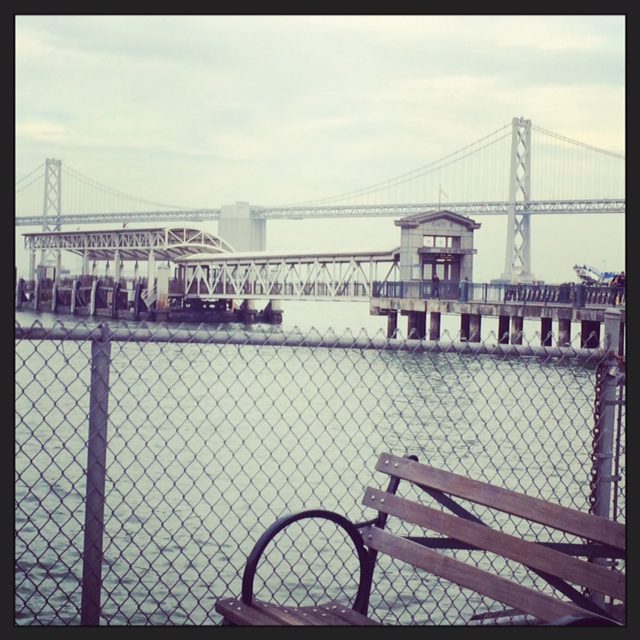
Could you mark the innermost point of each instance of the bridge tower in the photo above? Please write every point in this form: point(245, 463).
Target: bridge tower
point(52, 207)
point(240, 230)
point(517, 264)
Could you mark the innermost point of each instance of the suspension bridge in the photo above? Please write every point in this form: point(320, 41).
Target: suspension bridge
point(491, 176)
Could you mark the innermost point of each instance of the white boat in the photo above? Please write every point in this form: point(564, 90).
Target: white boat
point(591, 275)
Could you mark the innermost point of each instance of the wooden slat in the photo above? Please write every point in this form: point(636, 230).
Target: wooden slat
point(534, 509)
point(533, 555)
point(237, 612)
point(325, 616)
point(542, 606)
point(348, 615)
point(284, 615)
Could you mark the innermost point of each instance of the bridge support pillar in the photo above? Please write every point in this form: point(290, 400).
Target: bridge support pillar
point(417, 325)
point(162, 301)
point(137, 299)
point(564, 332)
point(475, 322)
point(545, 332)
point(54, 296)
point(248, 311)
point(273, 312)
point(92, 299)
point(36, 291)
point(434, 325)
point(32, 265)
point(503, 329)
point(117, 267)
point(516, 329)
point(19, 294)
point(240, 230)
point(115, 294)
point(74, 293)
point(151, 270)
point(589, 334)
point(465, 323)
point(392, 323)
point(58, 275)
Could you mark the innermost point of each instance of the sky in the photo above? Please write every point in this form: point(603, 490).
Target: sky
point(203, 111)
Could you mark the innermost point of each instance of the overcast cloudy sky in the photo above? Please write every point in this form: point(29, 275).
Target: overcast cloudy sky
point(208, 110)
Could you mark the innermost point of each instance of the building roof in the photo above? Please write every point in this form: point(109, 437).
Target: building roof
point(430, 216)
point(167, 243)
point(383, 255)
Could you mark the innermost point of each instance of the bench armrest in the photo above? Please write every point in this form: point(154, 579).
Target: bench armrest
point(256, 553)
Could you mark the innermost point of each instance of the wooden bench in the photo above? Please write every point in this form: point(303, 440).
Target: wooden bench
point(568, 567)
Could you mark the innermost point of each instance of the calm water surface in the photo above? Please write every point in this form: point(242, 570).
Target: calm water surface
point(208, 444)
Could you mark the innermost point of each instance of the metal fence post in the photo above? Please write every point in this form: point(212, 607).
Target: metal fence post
point(605, 426)
point(96, 471)
point(604, 443)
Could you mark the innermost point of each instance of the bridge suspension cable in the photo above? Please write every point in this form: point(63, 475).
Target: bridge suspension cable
point(74, 173)
point(39, 169)
point(415, 174)
point(577, 143)
point(563, 171)
point(568, 169)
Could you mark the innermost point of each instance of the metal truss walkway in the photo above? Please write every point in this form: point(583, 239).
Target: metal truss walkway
point(284, 276)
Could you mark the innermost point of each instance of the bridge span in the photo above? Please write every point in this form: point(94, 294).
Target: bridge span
point(257, 212)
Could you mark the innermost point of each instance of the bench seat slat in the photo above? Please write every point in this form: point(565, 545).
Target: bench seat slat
point(542, 606)
point(534, 509)
point(348, 615)
point(266, 614)
point(284, 615)
point(234, 610)
point(533, 555)
point(325, 616)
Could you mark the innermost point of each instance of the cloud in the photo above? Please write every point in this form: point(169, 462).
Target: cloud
point(206, 110)
point(42, 131)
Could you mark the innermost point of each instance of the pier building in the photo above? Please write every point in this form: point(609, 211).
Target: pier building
point(193, 275)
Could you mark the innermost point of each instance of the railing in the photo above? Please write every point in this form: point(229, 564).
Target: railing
point(149, 459)
point(575, 295)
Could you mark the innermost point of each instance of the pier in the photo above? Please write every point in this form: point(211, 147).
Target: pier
point(190, 275)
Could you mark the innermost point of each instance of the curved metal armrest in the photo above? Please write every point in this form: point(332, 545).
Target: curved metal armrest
point(584, 620)
point(256, 553)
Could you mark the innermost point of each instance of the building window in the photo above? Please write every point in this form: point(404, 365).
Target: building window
point(437, 241)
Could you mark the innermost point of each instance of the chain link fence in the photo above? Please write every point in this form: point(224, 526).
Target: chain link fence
point(207, 435)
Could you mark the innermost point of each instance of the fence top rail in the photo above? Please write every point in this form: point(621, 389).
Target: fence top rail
point(203, 334)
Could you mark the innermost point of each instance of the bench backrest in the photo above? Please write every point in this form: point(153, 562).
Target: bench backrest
point(542, 559)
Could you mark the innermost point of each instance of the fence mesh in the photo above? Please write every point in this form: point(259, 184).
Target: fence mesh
point(211, 439)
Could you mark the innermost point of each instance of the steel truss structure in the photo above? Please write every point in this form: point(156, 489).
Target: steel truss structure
point(330, 276)
point(535, 207)
point(518, 251)
point(52, 207)
point(130, 244)
point(464, 208)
